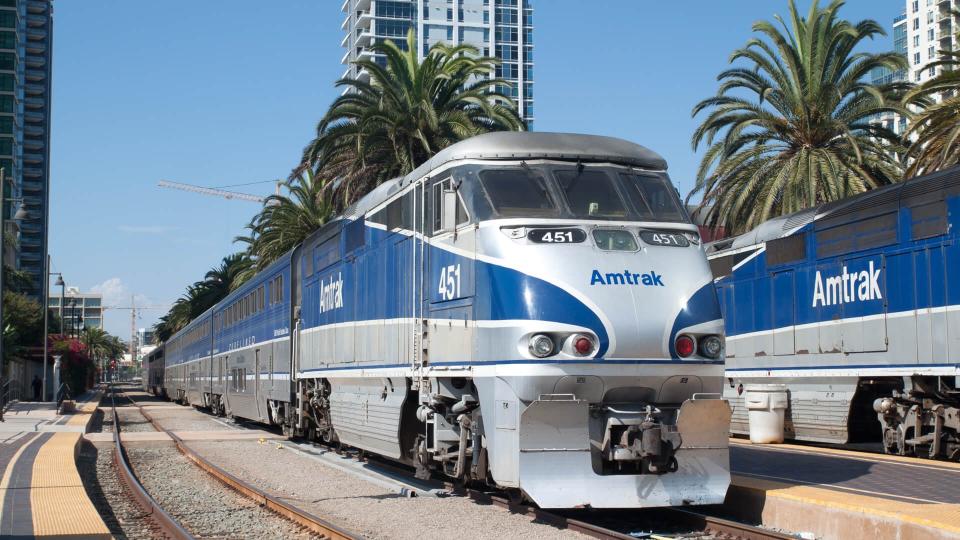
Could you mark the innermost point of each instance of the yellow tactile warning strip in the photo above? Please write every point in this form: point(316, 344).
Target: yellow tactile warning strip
point(57, 498)
point(939, 516)
point(853, 454)
point(84, 412)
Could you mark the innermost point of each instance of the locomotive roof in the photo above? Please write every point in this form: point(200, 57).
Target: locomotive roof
point(514, 145)
point(927, 188)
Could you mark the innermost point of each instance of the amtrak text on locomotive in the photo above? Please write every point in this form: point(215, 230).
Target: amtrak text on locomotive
point(847, 287)
point(650, 279)
point(331, 294)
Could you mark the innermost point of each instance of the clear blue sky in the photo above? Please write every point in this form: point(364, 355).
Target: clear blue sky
point(225, 92)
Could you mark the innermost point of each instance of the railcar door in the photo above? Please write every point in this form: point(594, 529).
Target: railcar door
point(784, 331)
point(863, 301)
point(450, 263)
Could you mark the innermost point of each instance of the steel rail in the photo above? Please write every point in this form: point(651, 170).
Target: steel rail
point(299, 516)
point(168, 525)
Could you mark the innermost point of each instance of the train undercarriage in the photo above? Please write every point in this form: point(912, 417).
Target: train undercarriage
point(924, 420)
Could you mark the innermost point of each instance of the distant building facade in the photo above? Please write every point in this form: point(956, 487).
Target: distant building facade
point(80, 310)
point(26, 29)
point(499, 28)
point(880, 76)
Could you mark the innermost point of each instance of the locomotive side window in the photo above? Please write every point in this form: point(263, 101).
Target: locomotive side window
point(438, 189)
point(591, 194)
point(517, 192)
point(653, 197)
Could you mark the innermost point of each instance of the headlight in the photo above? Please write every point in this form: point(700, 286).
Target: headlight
point(711, 346)
point(582, 345)
point(541, 346)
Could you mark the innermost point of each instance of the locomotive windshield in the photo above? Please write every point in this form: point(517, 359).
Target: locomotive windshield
point(591, 194)
point(518, 192)
point(568, 191)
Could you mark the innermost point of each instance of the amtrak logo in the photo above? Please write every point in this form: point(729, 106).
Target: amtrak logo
point(650, 279)
point(331, 294)
point(847, 287)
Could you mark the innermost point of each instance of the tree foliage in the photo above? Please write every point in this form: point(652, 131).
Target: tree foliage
point(792, 127)
point(408, 111)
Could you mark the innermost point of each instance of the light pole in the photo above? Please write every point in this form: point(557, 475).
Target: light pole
point(46, 317)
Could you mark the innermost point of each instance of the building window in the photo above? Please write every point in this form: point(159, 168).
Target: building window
point(449, 14)
point(916, 58)
point(450, 34)
point(6, 82)
point(916, 76)
point(6, 124)
point(6, 105)
point(916, 6)
point(8, 19)
point(930, 34)
point(930, 53)
point(8, 61)
point(916, 40)
point(6, 146)
point(929, 17)
point(932, 72)
point(395, 10)
point(8, 40)
point(916, 24)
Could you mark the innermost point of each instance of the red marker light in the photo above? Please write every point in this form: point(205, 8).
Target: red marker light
point(583, 345)
point(684, 346)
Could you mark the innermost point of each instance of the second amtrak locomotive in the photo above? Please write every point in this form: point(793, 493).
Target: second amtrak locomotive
point(531, 310)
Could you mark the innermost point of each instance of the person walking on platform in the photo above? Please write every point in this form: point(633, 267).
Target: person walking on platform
point(37, 384)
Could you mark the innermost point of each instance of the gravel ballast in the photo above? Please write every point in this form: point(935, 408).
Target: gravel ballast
point(122, 515)
point(364, 507)
point(200, 503)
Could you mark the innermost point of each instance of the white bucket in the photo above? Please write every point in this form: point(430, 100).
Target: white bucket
point(766, 404)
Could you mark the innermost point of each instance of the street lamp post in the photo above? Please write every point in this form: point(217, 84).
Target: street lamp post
point(46, 316)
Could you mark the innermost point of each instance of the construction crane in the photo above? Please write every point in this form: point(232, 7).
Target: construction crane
point(134, 308)
point(216, 192)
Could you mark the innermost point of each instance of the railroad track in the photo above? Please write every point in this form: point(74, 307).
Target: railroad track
point(170, 527)
point(601, 524)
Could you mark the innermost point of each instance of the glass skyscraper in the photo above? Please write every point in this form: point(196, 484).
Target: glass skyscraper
point(26, 28)
point(500, 28)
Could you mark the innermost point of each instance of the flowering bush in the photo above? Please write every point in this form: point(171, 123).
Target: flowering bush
point(77, 370)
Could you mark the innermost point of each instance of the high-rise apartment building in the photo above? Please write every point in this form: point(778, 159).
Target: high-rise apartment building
point(893, 121)
point(931, 27)
point(499, 28)
point(26, 28)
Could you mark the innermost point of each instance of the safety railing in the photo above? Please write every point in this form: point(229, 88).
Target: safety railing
point(62, 393)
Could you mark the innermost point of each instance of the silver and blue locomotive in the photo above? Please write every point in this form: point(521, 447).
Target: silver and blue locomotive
point(530, 310)
point(855, 306)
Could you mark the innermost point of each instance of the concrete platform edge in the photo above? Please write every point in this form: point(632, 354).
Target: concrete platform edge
point(776, 506)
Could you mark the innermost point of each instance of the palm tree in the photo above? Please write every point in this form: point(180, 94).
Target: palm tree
point(935, 130)
point(202, 295)
point(286, 220)
point(793, 129)
point(408, 111)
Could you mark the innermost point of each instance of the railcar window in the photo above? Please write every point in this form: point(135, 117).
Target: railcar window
point(614, 240)
point(438, 190)
point(653, 197)
point(591, 194)
point(517, 192)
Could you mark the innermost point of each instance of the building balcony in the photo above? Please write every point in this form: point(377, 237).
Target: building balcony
point(364, 38)
point(37, 7)
point(32, 144)
point(34, 89)
point(34, 103)
point(33, 131)
point(32, 172)
point(362, 5)
point(33, 61)
point(32, 158)
point(36, 21)
point(33, 117)
point(36, 47)
point(345, 6)
point(36, 34)
point(364, 19)
point(345, 59)
point(345, 42)
point(35, 75)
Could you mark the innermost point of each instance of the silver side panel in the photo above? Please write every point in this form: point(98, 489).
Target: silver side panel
point(819, 408)
point(366, 413)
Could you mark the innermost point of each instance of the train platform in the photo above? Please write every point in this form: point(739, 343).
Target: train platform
point(41, 493)
point(836, 493)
